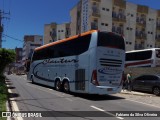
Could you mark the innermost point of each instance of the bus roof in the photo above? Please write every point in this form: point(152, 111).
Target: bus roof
point(141, 50)
point(64, 40)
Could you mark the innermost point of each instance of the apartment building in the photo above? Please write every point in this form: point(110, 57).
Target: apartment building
point(54, 32)
point(157, 37)
point(30, 43)
point(140, 25)
point(18, 55)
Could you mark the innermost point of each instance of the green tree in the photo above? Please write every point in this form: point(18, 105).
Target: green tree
point(6, 57)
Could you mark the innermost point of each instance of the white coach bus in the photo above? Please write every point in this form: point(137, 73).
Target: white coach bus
point(143, 58)
point(92, 62)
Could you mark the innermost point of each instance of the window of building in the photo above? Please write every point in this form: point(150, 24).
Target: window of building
point(102, 23)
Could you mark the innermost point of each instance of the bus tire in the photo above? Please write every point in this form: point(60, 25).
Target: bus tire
point(58, 85)
point(66, 87)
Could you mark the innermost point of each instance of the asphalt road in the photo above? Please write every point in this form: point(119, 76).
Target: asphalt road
point(32, 97)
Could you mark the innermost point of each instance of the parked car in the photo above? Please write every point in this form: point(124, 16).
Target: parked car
point(148, 83)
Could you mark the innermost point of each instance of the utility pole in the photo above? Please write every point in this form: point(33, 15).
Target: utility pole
point(2, 13)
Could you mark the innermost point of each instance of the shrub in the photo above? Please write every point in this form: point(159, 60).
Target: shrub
point(6, 57)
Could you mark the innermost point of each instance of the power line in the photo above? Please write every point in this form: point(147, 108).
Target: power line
point(13, 38)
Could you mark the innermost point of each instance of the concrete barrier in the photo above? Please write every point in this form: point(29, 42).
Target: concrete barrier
point(136, 71)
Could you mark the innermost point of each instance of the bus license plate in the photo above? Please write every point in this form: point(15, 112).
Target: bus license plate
point(109, 89)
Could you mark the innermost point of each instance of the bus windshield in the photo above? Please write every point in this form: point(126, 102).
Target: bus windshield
point(110, 40)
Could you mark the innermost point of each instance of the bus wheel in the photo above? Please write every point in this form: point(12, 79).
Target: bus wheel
point(58, 85)
point(66, 87)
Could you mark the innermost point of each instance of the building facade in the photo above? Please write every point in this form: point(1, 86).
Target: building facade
point(140, 25)
point(18, 55)
point(54, 32)
point(30, 43)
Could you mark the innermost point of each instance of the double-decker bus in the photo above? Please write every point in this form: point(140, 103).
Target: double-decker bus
point(92, 62)
point(143, 58)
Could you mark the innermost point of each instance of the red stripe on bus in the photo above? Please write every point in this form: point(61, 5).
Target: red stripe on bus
point(138, 63)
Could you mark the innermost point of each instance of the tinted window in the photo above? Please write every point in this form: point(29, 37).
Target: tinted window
point(140, 78)
point(141, 55)
point(69, 48)
point(147, 77)
point(158, 53)
point(151, 77)
point(110, 40)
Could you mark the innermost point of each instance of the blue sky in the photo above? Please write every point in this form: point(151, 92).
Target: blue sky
point(29, 16)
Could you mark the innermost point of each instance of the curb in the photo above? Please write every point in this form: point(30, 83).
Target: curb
point(8, 104)
point(12, 106)
point(135, 93)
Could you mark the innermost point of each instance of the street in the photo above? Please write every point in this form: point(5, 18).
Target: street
point(33, 97)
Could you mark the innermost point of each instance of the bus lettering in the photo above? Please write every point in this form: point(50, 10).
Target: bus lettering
point(109, 70)
point(59, 61)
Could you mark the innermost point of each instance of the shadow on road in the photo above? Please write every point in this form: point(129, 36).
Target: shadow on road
point(11, 87)
point(95, 97)
point(9, 83)
point(13, 95)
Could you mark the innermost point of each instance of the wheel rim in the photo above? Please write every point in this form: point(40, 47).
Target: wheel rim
point(156, 91)
point(66, 87)
point(58, 85)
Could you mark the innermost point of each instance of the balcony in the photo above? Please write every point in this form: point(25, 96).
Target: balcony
point(53, 34)
point(94, 25)
point(157, 37)
point(158, 27)
point(95, 12)
point(118, 30)
point(139, 46)
point(118, 17)
point(141, 35)
point(141, 22)
point(120, 3)
point(96, 0)
point(67, 32)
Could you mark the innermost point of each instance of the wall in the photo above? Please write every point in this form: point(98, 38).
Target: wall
point(142, 70)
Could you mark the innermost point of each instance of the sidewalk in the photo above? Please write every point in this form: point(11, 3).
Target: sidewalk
point(135, 93)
